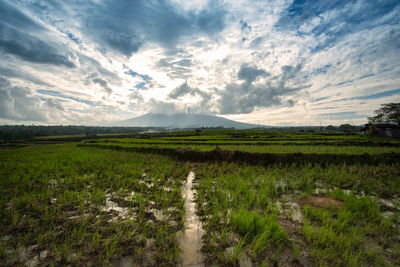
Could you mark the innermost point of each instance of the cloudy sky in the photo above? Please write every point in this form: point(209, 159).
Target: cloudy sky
point(301, 62)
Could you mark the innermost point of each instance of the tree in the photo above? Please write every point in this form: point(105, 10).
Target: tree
point(330, 128)
point(348, 128)
point(387, 112)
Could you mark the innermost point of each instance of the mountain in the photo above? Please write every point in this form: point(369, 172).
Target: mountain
point(183, 120)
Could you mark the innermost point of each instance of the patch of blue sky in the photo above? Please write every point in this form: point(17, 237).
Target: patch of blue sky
point(325, 108)
point(341, 83)
point(85, 111)
point(61, 95)
point(365, 97)
point(145, 77)
point(323, 69)
point(379, 95)
point(74, 38)
point(319, 99)
point(141, 86)
point(351, 16)
point(343, 115)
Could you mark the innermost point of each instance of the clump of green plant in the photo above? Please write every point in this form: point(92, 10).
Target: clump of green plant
point(261, 231)
point(342, 236)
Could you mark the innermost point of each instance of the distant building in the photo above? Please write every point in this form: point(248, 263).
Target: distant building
point(386, 130)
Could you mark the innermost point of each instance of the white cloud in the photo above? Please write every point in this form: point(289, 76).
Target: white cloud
point(125, 65)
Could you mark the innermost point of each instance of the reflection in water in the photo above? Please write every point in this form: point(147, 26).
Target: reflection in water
point(191, 239)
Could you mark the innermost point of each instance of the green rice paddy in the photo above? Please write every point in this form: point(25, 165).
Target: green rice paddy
point(119, 201)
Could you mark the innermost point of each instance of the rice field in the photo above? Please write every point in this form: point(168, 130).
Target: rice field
point(164, 201)
point(287, 148)
point(66, 205)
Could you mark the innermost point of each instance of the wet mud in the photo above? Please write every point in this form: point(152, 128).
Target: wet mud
point(191, 237)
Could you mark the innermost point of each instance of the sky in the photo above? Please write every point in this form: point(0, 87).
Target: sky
point(279, 63)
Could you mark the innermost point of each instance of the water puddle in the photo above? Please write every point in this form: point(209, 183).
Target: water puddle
point(389, 205)
point(191, 238)
point(111, 206)
point(146, 181)
point(148, 258)
point(127, 261)
point(289, 208)
point(158, 214)
point(166, 189)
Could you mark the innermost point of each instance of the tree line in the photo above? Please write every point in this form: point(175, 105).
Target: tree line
point(25, 132)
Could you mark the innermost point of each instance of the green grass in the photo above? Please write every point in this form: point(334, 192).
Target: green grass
point(254, 202)
point(261, 231)
point(354, 235)
point(85, 205)
point(306, 149)
point(54, 196)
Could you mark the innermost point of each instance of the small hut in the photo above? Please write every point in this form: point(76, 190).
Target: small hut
point(385, 130)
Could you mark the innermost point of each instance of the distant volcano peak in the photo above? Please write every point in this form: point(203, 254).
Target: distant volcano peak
point(183, 120)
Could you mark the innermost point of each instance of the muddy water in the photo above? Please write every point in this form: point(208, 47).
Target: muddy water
point(191, 237)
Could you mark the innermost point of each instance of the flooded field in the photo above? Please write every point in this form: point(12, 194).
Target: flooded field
point(102, 203)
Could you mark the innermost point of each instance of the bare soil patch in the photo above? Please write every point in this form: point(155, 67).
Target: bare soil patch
point(321, 202)
point(292, 228)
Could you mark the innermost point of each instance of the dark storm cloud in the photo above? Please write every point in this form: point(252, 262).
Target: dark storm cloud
point(17, 37)
point(245, 97)
point(125, 43)
point(13, 16)
point(246, 94)
point(250, 73)
point(209, 21)
point(126, 25)
point(30, 48)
